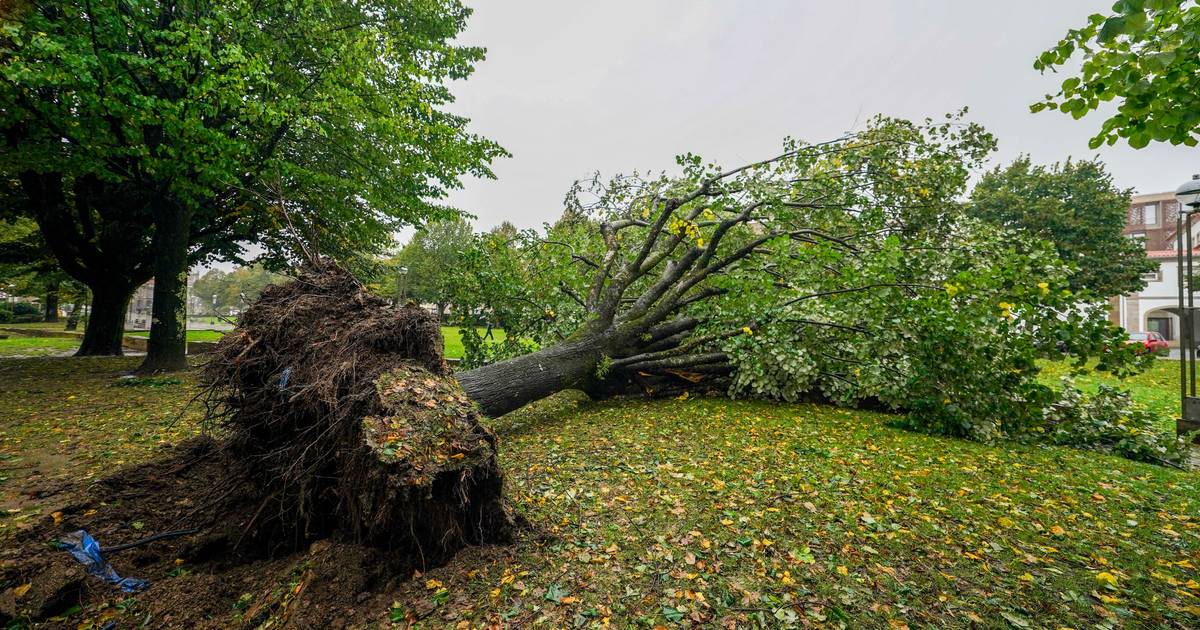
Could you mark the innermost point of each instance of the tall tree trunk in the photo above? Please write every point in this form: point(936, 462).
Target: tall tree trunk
point(106, 322)
point(51, 303)
point(507, 385)
point(76, 311)
point(167, 348)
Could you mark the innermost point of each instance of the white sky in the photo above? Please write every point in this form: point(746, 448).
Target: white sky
point(571, 87)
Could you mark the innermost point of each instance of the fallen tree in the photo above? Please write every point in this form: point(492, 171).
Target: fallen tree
point(847, 270)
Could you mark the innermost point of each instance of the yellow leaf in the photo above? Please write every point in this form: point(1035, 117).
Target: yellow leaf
point(568, 600)
point(1027, 577)
point(19, 591)
point(842, 570)
point(1057, 531)
point(1006, 522)
point(433, 584)
point(57, 518)
point(1104, 577)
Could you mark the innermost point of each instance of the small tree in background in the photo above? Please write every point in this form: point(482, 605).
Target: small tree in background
point(431, 258)
point(1076, 206)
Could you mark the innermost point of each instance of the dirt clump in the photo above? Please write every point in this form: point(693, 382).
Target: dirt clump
point(342, 457)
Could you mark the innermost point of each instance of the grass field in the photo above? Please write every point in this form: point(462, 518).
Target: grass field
point(16, 345)
point(31, 346)
point(707, 512)
point(192, 335)
point(452, 335)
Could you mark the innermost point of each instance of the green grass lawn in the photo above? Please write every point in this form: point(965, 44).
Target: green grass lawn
point(451, 334)
point(192, 335)
point(710, 512)
point(16, 345)
point(59, 325)
point(453, 340)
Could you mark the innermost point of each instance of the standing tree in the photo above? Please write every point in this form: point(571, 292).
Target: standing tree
point(1075, 206)
point(430, 258)
point(209, 290)
point(1146, 56)
point(145, 136)
point(27, 264)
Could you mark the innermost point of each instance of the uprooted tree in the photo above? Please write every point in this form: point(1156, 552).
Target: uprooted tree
point(847, 270)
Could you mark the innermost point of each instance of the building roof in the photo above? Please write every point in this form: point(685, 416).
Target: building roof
point(1148, 197)
point(1166, 253)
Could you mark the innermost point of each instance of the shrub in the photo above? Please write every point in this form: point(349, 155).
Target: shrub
point(1108, 421)
point(20, 312)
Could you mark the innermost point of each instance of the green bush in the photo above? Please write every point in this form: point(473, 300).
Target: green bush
point(20, 312)
point(1108, 421)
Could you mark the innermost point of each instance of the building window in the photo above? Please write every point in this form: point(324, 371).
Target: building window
point(1150, 214)
point(1160, 325)
point(1137, 235)
point(1153, 276)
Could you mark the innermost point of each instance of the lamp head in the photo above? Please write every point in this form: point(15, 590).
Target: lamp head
point(1189, 193)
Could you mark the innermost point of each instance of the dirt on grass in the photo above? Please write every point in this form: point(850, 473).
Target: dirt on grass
point(348, 460)
point(219, 580)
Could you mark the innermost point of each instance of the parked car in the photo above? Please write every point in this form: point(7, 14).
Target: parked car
point(1151, 342)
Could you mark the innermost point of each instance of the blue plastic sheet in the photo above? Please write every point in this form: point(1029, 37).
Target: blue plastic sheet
point(86, 550)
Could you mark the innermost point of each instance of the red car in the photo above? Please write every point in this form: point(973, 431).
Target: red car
point(1151, 342)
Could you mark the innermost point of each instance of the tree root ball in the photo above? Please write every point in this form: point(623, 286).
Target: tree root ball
point(352, 423)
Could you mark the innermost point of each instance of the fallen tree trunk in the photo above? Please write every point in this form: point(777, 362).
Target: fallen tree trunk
point(501, 387)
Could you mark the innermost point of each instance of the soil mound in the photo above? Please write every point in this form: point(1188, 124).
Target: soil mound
point(346, 457)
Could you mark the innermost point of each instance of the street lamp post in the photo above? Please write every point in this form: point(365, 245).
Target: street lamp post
point(401, 285)
point(1189, 204)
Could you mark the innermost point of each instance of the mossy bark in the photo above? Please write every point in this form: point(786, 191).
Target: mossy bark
point(106, 322)
point(166, 350)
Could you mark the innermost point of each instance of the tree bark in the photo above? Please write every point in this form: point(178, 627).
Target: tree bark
point(167, 348)
point(51, 303)
point(106, 322)
point(508, 385)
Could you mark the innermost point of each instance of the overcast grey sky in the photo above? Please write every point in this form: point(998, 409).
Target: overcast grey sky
point(570, 87)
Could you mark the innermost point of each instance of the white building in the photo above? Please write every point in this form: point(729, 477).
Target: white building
point(1153, 308)
point(1153, 218)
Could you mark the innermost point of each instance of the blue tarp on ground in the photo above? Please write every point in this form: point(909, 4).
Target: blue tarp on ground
point(86, 550)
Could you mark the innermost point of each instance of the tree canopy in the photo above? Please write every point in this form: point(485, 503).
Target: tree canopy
point(225, 293)
point(845, 270)
point(1076, 206)
point(429, 261)
point(145, 135)
point(1145, 55)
